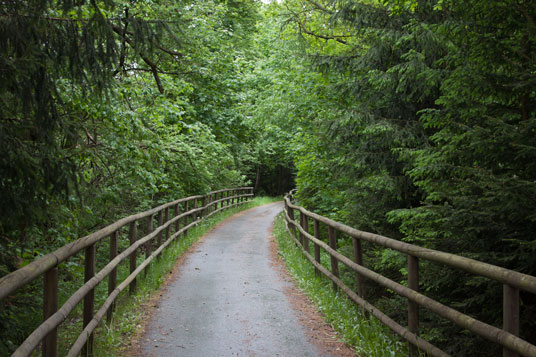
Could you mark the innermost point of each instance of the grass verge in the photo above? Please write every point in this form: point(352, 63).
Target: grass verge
point(368, 336)
point(112, 339)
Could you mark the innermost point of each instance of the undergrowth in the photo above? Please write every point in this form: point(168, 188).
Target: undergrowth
point(367, 336)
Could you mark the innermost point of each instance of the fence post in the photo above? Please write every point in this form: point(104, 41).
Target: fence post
point(89, 299)
point(301, 225)
point(194, 215)
point(132, 239)
point(510, 314)
point(317, 247)
point(305, 227)
point(332, 234)
point(413, 307)
point(168, 227)
point(177, 223)
point(186, 216)
point(50, 306)
point(358, 258)
point(213, 203)
point(149, 244)
point(291, 215)
point(205, 205)
point(112, 278)
point(160, 222)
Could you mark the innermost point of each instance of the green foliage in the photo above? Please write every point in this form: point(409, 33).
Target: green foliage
point(110, 108)
point(415, 120)
point(412, 119)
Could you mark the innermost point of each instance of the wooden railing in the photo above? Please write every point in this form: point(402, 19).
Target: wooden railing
point(187, 213)
point(512, 282)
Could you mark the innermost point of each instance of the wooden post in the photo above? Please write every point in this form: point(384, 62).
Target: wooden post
point(301, 225)
point(194, 215)
point(317, 247)
point(413, 308)
point(132, 238)
point(112, 278)
point(50, 306)
point(285, 209)
point(177, 212)
point(160, 222)
point(186, 217)
point(305, 227)
point(168, 227)
point(332, 234)
point(89, 299)
point(510, 314)
point(291, 215)
point(358, 258)
point(210, 204)
point(149, 244)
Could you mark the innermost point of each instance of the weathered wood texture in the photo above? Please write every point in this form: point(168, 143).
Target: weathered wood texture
point(50, 306)
point(513, 282)
point(47, 266)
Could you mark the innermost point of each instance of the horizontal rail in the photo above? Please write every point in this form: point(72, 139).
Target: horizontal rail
point(505, 276)
point(23, 276)
point(396, 327)
point(226, 207)
point(487, 331)
point(56, 319)
point(11, 282)
point(83, 337)
point(505, 337)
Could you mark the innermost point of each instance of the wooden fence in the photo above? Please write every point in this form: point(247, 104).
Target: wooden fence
point(512, 282)
point(187, 213)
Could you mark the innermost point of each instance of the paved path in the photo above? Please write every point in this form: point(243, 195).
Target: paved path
point(228, 300)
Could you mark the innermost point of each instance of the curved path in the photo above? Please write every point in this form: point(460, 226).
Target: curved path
point(228, 300)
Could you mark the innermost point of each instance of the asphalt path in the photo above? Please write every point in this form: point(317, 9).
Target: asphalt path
point(228, 300)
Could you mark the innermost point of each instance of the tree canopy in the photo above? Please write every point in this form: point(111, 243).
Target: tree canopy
point(408, 118)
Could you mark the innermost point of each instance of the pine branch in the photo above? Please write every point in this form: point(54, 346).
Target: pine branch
point(154, 67)
point(140, 69)
point(324, 37)
point(118, 30)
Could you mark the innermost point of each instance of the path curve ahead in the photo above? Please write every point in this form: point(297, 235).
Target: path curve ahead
point(228, 300)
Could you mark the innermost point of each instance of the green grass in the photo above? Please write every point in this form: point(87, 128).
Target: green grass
point(368, 336)
point(111, 339)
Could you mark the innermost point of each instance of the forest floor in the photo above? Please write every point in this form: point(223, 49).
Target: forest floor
point(231, 295)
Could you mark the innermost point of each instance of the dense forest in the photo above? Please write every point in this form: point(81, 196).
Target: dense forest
point(413, 119)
